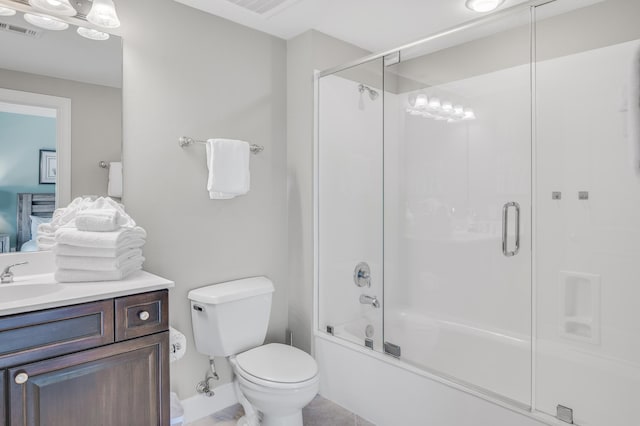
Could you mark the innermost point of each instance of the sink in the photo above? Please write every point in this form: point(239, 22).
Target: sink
point(39, 291)
point(16, 291)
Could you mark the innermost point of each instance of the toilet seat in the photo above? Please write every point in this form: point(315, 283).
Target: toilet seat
point(277, 366)
point(247, 379)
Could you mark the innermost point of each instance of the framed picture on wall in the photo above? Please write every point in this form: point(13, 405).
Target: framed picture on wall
point(48, 166)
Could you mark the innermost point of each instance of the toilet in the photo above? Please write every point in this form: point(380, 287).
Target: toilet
point(230, 320)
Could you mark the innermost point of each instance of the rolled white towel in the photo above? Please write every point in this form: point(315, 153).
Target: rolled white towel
point(100, 263)
point(78, 276)
point(44, 246)
point(69, 250)
point(112, 239)
point(64, 215)
point(98, 220)
point(46, 240)
point(46, 228)
point(103, 203)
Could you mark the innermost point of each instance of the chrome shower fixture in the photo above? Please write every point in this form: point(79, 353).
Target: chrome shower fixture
point(373, 94)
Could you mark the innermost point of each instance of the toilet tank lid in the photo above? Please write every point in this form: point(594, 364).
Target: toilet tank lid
point(232, 290)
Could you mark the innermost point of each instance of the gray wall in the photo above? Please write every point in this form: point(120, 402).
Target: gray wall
point(190, 73)
point(96, 127)
point(309, 51)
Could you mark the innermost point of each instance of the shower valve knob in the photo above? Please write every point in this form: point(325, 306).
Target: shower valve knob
point(362, 275)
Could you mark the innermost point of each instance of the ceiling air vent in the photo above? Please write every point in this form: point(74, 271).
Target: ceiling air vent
point(264, 8)
point(15, 29)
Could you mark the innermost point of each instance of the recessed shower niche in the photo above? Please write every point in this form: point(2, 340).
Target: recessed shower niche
point(580, 306)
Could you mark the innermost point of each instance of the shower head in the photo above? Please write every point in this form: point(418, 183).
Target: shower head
point(373, 94)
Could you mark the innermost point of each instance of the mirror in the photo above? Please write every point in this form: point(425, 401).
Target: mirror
point(60, 116)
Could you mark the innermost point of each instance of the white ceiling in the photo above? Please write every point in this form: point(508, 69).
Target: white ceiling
point(375, 25)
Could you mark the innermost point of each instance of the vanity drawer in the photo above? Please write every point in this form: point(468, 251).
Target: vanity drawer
point(141, 314)
point(52, 332)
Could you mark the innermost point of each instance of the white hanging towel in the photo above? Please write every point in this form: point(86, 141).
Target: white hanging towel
point(114, 188)
point(228, 163)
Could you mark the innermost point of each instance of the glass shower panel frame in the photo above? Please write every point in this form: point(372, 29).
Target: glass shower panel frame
point(349, 207)
point(457, 176)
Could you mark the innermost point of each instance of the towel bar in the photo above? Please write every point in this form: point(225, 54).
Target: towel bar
point(186, 141)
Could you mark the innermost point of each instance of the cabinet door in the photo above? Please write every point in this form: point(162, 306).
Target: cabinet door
point(115, 385)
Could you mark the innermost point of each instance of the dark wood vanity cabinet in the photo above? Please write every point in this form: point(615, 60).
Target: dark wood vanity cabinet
point(101, 363)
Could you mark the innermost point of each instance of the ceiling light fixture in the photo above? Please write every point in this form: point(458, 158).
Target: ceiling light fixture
point(103, 14)
point(5, 11)
point(57, 7)
point(92, 34)
point(46, 22)
point(484, 5)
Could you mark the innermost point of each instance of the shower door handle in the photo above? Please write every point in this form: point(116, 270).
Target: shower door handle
point(505, 229)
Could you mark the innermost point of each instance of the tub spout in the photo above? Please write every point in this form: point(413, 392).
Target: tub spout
point(369, 300)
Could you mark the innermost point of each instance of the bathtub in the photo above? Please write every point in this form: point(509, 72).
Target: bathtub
point(497, 362)
point(423, 387)
point(455, 374)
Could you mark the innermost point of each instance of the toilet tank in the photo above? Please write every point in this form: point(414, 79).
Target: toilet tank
point(231, 317)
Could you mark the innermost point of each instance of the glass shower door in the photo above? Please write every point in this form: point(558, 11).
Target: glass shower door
point(350, 204)
point(457, 177)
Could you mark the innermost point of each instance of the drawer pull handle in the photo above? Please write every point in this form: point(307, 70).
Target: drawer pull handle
point(21, 378)
point(144, 315)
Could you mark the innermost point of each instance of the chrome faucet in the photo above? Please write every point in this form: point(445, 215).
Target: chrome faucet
point(7, 275)
point(369, 300)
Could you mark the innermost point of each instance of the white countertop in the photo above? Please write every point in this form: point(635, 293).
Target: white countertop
point(47, 293)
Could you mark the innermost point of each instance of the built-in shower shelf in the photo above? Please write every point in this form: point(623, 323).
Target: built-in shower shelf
point(580, 306)
point(578, 327)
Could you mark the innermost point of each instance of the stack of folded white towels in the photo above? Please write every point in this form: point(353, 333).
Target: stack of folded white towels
point(98, 242)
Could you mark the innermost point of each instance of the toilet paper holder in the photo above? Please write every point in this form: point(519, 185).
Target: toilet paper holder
point(175, 347)
point(177, 344)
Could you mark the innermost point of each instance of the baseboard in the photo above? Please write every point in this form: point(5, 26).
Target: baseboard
point(199, 406)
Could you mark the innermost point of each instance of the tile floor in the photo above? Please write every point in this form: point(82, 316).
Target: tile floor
point(320, 412)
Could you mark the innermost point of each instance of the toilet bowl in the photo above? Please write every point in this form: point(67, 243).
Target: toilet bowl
point(277, 380)
point(230, 320)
